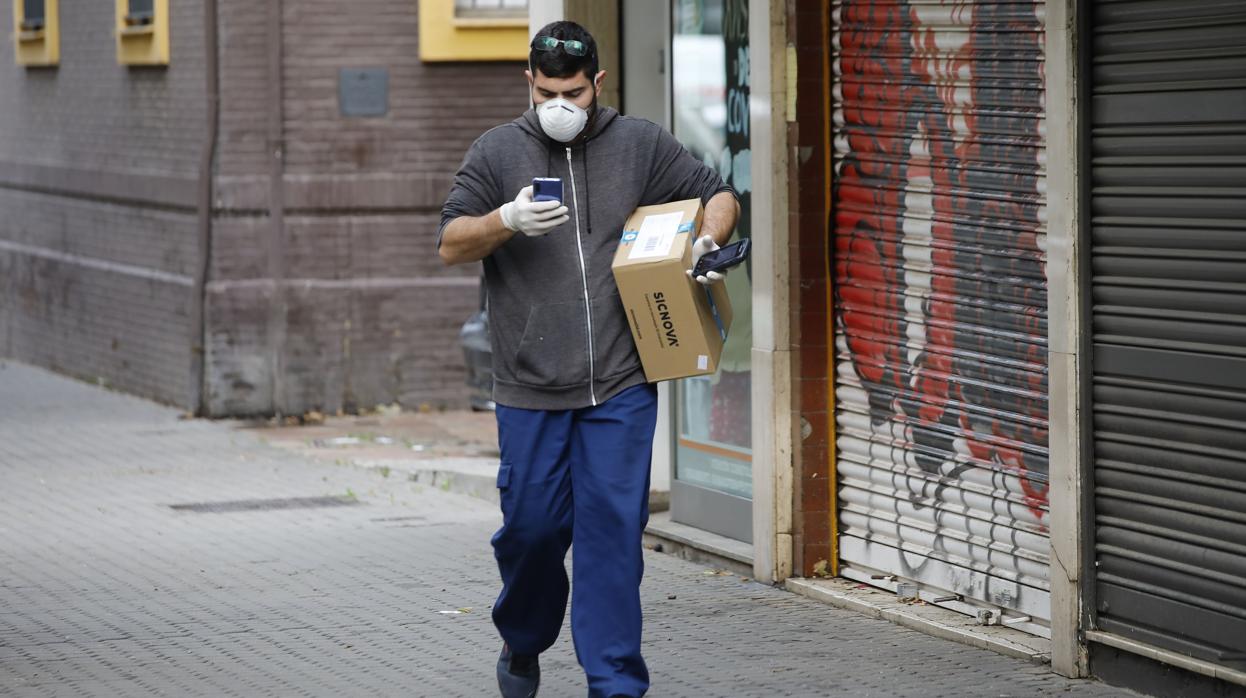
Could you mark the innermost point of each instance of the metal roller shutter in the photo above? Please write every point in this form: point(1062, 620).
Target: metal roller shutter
point(941, 301)
point(1168, 256)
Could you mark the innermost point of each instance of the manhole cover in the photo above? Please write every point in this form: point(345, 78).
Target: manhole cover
point(265, 504)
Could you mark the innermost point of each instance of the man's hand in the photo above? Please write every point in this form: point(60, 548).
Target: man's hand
point(703, 246)
point(532, 218)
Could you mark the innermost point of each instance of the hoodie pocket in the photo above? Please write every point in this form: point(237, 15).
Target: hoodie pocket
point(612, 338)
point(554, 348)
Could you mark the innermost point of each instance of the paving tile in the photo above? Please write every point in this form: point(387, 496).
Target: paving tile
point(107, 591)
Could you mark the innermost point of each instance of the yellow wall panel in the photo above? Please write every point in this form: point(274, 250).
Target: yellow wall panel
point(444, 37)
point(40, 47)
point(143, 44)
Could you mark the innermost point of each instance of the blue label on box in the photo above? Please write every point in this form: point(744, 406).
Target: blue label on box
point(629, 235)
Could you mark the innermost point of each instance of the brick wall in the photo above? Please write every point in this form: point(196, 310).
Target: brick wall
point(370, 315)
point(97, 221)
point(98, 178)
point(811, 232)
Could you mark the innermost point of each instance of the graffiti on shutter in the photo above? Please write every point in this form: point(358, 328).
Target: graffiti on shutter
point(941, 298)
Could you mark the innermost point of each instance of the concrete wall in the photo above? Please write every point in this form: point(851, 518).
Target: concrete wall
point(97, 219)
point(603, 21)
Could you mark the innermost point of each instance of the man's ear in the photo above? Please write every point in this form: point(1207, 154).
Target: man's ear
point(598, 81)
point(531, 82)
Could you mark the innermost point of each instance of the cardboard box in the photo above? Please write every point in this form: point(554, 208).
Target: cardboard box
point(679, 325)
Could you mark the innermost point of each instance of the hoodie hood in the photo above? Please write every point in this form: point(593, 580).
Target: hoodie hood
point(530, 123)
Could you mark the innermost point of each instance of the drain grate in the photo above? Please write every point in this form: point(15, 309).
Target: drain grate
point(264, 504)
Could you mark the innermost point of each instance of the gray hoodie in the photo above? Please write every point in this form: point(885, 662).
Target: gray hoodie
point(560, 337)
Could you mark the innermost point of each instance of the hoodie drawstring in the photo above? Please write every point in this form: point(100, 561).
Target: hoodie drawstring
point(534, 129)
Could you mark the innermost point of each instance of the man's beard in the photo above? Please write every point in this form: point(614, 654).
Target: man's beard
point(588, 124)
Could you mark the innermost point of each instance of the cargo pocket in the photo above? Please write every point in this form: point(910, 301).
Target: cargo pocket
point(554, 347)
point(504, 476)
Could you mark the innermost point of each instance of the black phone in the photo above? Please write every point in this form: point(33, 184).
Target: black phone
point(723, 258)
point(547, 189)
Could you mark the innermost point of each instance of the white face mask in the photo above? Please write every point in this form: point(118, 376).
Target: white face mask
point(561, 120)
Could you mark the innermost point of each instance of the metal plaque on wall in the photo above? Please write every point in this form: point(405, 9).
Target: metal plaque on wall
point(363, 91)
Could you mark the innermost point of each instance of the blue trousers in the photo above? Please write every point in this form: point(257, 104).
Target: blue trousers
point(577, 477)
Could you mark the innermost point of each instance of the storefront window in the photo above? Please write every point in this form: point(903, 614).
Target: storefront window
point(710, 91)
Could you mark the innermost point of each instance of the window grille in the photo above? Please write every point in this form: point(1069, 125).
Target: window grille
point(491, 9)
point(141, 12)
point(34, 15)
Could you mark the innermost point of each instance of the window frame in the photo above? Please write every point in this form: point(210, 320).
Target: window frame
point(445, 36)
point(143, 41)
point(502, 14)
point(133, 18)
point(41, 47)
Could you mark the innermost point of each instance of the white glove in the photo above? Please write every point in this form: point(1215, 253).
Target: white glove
point(532, 218)
point(704, 245)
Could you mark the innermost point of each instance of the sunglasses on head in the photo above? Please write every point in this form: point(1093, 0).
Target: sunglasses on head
point(569, 46)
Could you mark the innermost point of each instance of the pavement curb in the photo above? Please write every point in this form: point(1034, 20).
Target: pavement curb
point(694, 545)
point(931, 620)
point(478, 486)
point(473, 477)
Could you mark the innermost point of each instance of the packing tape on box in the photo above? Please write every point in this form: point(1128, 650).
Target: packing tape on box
point(722, 331)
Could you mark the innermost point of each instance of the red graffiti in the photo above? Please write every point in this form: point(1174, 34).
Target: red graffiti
point(940, 287)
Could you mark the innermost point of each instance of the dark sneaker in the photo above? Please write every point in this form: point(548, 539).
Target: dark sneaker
point(518, 675)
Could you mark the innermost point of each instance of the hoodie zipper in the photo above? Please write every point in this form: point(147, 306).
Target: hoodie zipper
point(588, 311)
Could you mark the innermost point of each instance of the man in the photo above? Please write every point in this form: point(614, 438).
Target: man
point(575, 415)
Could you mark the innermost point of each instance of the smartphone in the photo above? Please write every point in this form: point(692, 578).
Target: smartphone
point(723, 258)
point(547, 189)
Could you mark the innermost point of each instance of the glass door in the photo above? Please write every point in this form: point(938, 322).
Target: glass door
point(712, 487)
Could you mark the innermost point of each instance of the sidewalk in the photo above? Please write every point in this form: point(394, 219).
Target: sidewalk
point(451, 451)
point(283, 574)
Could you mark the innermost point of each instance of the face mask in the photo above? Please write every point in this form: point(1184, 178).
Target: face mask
point(561, 120)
